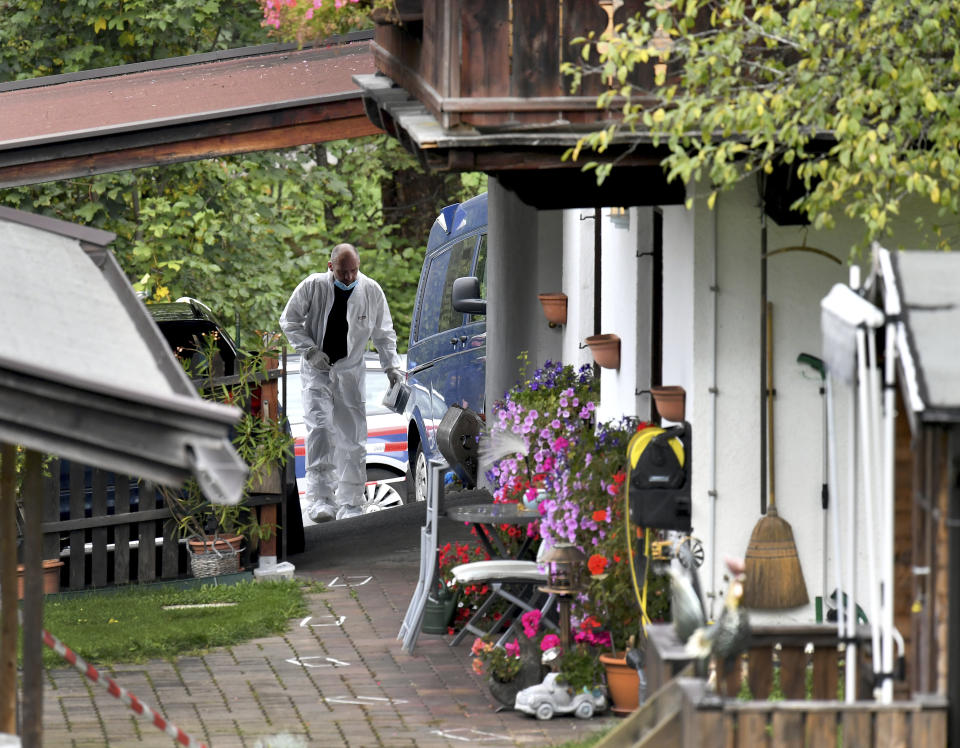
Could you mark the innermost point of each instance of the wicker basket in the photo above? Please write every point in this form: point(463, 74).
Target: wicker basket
point(213, 562)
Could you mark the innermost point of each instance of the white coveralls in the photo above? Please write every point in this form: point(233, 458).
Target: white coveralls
point(333, 398)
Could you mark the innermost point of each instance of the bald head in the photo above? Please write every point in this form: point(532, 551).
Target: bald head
point(344, 263)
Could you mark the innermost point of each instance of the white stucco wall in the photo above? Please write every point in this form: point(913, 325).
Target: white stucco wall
point(712, 337)
point(577, 284)
point(797, 281)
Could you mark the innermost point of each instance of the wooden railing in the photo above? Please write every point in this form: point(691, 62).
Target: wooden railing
point(473, 62)
point(807, 666)
point(785, 655)
point(683, 714)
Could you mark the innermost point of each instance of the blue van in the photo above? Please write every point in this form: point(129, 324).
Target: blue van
point(446, 358)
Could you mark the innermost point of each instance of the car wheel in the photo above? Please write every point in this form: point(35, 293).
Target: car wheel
point(417, 476)
point(584, 710)
point(545, 711)
point(377, 496)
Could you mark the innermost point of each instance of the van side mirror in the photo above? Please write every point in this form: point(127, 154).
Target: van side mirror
point(466, 296)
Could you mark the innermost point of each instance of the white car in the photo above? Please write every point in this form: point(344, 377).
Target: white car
point(546, 699)
point(386, 439)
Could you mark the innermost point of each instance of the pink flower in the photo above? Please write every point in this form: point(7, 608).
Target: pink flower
point(549, 641)
point(560, 443)
point(309, 14)
point(531, 623)
point(478, 646)
point(512, 648)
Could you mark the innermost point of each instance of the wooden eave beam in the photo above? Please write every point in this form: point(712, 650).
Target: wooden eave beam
point(315, 123)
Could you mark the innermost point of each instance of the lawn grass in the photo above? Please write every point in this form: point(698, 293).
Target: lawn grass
point(132, 624)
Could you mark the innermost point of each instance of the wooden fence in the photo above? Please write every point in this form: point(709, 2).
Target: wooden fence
point(683, 714)
point(111, 529)
point(800, 664)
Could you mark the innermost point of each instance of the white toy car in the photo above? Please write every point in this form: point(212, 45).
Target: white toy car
point(549, 698)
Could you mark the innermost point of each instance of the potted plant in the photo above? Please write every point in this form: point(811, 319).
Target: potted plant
point(216, 533)
point(581, 465)
point(516, 665)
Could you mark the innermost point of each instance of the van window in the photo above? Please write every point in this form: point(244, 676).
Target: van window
point(436, 308)
point(481, 272)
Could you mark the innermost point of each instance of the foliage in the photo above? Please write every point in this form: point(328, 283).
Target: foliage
point(471, 595)
point(504, 663)
point(131, 624)
point(47, 37)
point(262, 443)
point(238, 232)
point(309, 20)
point(580, 668)
point(858, 97)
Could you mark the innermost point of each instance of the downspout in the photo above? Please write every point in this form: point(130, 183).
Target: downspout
point(953, 598)
point(714, 392)
point(597, 271)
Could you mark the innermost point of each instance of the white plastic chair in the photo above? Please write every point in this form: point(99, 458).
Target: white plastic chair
point(523, 577)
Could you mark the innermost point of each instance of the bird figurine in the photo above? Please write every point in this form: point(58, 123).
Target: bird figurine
point(726, 639)
point(686, 601)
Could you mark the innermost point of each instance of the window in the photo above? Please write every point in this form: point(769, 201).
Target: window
point(481, 272)
point(436, 308)
point(432, 294)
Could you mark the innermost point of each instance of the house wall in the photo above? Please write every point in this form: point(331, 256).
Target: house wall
point(712, 335)
point(578, 242)
point(523, 259)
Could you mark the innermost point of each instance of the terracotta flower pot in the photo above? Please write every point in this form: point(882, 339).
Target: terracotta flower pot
point(671, 402)
point(554, 307)
point(623, 683)
point(51, 577)
point(220, 543)
point(605, 349)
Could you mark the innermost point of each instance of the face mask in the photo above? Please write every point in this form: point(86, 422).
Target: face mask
point(343, 286)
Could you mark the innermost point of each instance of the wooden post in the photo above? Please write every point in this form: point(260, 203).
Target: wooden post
point(8, 593)
point(268, 516)
point(32, 732)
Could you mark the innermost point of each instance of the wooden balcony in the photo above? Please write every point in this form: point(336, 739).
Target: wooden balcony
point(471, 62)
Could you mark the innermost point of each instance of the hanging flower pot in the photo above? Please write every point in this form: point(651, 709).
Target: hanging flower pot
point(670, 402)
point(554, 308)
point(605, 349)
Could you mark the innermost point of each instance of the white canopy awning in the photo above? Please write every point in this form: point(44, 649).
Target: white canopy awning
point(86, 374)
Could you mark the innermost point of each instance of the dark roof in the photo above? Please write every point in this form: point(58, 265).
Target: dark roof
point(179, 109)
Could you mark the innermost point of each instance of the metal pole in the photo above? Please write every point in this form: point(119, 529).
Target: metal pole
point(8, 589)
point(867, 460)
point(32, 733)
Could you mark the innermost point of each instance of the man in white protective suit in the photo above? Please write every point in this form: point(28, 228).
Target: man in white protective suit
point(329, 320)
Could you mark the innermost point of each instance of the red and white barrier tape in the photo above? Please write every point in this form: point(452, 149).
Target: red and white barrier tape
point(117, 691)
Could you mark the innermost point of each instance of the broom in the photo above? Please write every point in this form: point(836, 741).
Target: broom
point(774, 577)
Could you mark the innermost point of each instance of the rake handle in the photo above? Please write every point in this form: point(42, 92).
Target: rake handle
point(771, 458)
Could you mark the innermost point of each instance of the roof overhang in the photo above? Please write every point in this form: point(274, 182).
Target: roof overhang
point(181, 109)
point(527, 161)
point(86, 374)
point(921, 293)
